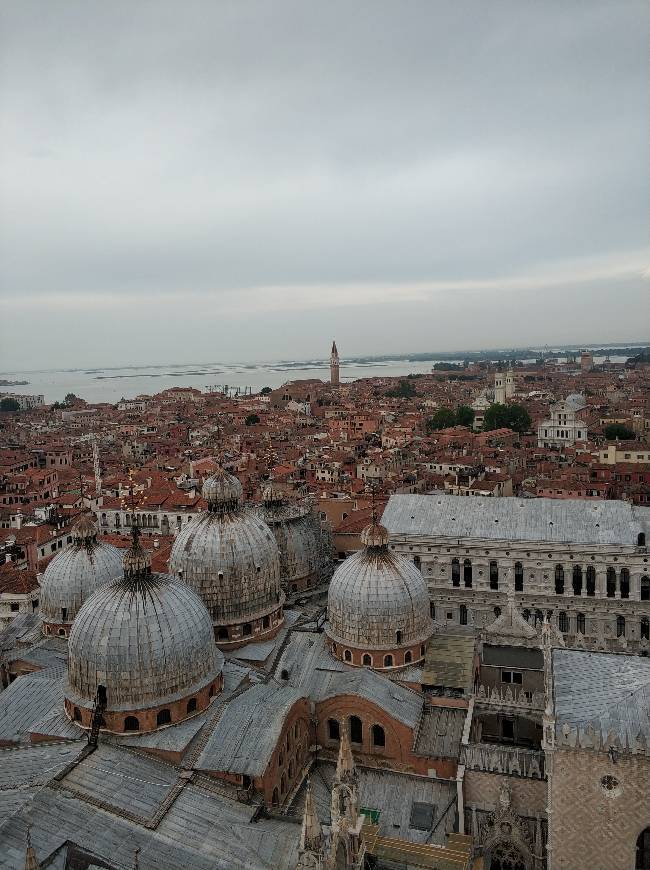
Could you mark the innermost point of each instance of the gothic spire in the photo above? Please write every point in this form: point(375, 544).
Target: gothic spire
point(311, 837)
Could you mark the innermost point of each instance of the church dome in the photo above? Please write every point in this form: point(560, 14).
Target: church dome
point(147, 639)
point(378, 601)
point(75, 573)
point(303, 554)
point(229, 556)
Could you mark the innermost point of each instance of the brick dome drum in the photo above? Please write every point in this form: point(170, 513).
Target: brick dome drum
point(74, 574)
point(378, 600)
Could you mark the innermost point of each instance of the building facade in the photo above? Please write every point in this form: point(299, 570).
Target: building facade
point(566, 425)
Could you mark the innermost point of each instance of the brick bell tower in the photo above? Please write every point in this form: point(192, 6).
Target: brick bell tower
point(334, 366)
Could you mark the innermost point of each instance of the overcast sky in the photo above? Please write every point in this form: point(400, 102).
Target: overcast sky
point(201, 180)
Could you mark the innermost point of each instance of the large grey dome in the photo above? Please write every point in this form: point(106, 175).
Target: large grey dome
point(378, 599)
point(147, 638)
point(231, 559)
point(76, 572)
point(303, 555)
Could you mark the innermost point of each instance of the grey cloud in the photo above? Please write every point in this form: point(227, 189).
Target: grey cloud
point(200, 147)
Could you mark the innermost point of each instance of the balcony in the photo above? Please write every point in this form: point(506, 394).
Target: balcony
point(508, 760)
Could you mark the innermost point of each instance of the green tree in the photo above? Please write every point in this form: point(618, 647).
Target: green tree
point(442, 419)
point(265, 391)
point(464, 416)
point(618, 430)
point(70, 399)
point(252, 420)
point(9, 404)
point(514, 417)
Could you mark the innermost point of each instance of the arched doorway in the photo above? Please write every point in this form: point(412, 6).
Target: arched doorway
point(643, 850)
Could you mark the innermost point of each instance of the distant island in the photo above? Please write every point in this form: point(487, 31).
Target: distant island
point(4, 383)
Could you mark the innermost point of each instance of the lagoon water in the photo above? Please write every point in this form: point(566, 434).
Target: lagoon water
point(111, 384)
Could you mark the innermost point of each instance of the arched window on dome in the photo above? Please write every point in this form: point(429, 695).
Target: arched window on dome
point(223, 633)
point(247, 629)
point(76, 714)
point(347, 655)
point(164, 717)
point(266, 621)
point(455, 572)
point(378, 736)
point(356, 729)
point(191, 705)
point(131, 723)
point(408, 657)
point(388, 661)
point(366, 660)
point(61, 632)
point(398, 637)
point(333, 729)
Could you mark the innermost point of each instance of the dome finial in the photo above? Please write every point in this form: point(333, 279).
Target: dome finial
point(137, 561)
point(223, 492)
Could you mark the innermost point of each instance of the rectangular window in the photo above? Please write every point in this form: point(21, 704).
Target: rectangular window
point(512, 677)
point(508, 729)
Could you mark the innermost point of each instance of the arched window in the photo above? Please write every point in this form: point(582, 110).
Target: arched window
point(284, 674)
point(643, 850)
point(417, 562)
point(283, 784)
point(398, 637)
point(275, 799)
point(455, 572)
point(640, 539)
point(494, 575)
point(191, 705)
point(580, 623)
point(620, 626)
point(164, 717)
point(131, 723)
point(591, 580)
point(645, 589)
point(356, 729)
point(333, 732)
point(645, 628)
point(497, 611)
point(266, 622)
point(463, 614)
point(347, 655)
point(519, 577)
point(378, 736)
point(408, 657)
point(563, 622)
point(559, 579)
point(432, 608)
point(467, 573)
point(577, 580)
point(367, 660)
point(76, 714)
point(247, 629)
point(222, 634)
point(625, 583)
point(388, 661)
point(611, 583)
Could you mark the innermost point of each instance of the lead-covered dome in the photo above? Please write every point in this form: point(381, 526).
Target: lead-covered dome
point(302, 545)
point(378, 606)
point(229, 556)
point(74, 574)
point(148, 640)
